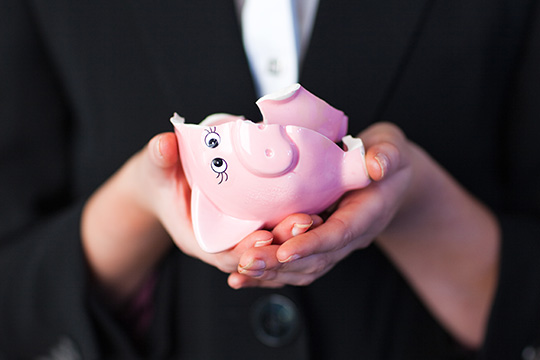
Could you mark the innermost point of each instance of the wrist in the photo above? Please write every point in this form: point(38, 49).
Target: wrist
point(121, 235)
point(446, 243)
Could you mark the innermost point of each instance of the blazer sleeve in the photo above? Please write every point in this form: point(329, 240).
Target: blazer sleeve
point(514, 325)
point(45, 307)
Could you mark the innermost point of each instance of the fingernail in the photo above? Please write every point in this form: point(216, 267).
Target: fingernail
point(290, 258)
point(263, 242)
point(251, 273)
point(300, 228)
point(254, 264)
point(158, 147)
point(383, 161)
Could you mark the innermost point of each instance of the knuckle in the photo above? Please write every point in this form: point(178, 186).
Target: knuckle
point(225, 266)
point(345, 236)
point(268, 276)
point(395, 131)
point(318, 266)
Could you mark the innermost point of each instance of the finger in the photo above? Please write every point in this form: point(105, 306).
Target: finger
point(239, 281)
point(359, 218)
point(259, 238)
point(258, 263)
point(382, 132)
point(317, 221)
point(343, 229)
point(385, 144)
point(326, 238)
point(258, 259)
point(382, 160)
point(255, 261)
point(163, 150)
point(262, 264)
point(228, 260)
point(294, 225)
point(286, 278)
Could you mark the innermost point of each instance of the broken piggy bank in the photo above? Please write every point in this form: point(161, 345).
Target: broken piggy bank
point(245, 176)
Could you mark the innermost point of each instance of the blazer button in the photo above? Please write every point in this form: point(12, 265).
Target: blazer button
point(275, 320)
point(530, 353)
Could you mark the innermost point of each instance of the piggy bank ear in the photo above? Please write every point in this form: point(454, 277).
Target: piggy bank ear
point(264, 150)
point(214, 230)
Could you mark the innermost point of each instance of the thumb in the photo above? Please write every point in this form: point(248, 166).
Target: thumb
point(386, 147)
point(163, 150)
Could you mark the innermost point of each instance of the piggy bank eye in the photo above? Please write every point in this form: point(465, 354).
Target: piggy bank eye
point(212, 138)
point(219, 166)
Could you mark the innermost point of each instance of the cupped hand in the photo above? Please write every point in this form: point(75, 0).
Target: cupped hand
point(301, 258)
point(128, 223)
point(441, 238)
point(168, 198)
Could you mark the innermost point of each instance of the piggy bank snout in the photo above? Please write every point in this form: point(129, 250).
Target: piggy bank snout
point(264, 150)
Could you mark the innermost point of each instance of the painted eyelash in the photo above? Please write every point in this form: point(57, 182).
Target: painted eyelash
point(222, 175)
point(219, 166)
point(212, 138)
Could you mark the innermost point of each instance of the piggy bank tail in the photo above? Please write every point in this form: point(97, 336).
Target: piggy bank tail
point(355, 174)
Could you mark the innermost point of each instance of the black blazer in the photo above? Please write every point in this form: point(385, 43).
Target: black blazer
point(83, 85)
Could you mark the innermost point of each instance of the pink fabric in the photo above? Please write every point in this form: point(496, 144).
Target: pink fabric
point(139, 311)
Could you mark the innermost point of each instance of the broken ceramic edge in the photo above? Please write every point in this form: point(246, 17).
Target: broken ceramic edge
point(352, 143)
point(177, 119)
point(282, 94)
point(220, 118)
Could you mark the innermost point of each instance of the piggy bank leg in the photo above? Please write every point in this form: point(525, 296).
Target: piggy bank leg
point(214, 230)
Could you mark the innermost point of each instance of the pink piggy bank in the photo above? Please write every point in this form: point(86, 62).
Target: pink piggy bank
point(246, 176)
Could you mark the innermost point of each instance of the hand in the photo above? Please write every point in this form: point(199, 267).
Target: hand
point(168, 199)
point(121, 232)
point(359, 217)
point(444, 242)
point(127, 225)
point(252, 267)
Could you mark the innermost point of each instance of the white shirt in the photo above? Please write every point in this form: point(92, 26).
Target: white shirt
point(267, 76)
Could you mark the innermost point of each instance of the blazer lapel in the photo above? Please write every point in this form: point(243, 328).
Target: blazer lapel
point(358, 51)
point(196, 52)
